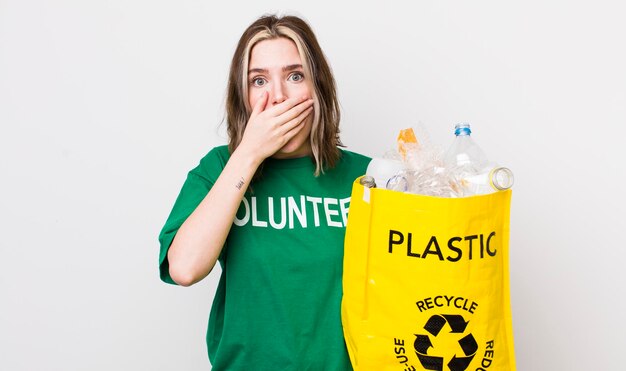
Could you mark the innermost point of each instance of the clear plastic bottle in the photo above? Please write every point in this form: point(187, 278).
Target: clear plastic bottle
point(464, 154)
point(470, 166)
point(383, 170)
point(490, 180)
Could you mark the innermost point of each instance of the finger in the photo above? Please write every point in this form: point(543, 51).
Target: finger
point(295, 130)
point(296, 123)
point(260, 104)
point(295, 111)
point(285, 106)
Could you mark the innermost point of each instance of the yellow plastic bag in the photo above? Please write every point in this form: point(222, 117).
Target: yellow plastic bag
point(426, 282)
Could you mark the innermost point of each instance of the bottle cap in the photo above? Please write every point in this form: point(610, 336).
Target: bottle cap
point(462, 128)
point(368, 181)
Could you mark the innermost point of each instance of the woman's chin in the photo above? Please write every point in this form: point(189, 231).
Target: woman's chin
point(293, 150)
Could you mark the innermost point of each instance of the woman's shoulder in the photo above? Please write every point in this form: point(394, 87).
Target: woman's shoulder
point(217, 153)
point(354, 158)
point(213, 162)
point(351, 164)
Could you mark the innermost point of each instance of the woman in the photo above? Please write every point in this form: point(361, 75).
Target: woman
point(271, 208)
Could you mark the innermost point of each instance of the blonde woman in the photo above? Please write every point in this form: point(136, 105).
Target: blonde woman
point(271, 208)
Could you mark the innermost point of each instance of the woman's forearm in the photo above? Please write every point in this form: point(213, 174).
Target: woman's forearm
point(199, 240)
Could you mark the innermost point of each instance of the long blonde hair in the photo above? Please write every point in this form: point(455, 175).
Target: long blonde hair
point(324, 135)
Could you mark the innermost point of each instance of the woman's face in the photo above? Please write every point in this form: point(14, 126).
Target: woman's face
point(275, 66)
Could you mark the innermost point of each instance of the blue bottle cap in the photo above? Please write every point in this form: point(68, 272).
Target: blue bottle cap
point(462, 129)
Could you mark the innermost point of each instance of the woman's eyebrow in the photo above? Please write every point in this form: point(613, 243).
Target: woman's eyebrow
point(292, 67)
point(257, 70)
point(287, 68)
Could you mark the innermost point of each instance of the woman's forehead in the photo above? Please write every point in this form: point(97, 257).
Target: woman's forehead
point(274, 53)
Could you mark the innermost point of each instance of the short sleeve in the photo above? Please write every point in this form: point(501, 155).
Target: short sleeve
point(197, 185)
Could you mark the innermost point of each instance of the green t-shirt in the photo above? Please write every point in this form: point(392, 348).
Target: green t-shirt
point(277, 305)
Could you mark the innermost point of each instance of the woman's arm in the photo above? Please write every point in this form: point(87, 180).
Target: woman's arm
point(199, 240)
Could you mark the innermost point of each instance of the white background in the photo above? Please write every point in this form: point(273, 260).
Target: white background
point(105, 106)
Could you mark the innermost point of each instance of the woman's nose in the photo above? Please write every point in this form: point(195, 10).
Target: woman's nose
point(277, 93)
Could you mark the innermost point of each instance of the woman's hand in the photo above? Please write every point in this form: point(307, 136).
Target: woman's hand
point(269, 129)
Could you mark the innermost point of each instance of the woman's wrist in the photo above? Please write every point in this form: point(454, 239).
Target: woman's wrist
point(247, 159)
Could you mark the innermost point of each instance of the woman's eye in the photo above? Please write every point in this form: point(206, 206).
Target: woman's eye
point(258, 81)
point(296, 77)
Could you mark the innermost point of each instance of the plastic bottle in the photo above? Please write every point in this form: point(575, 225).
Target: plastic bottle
point(464, 154)
point(490, 180)
point(383, 170)
point(469, 164)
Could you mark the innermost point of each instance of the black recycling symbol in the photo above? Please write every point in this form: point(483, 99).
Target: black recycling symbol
point(433, 326)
